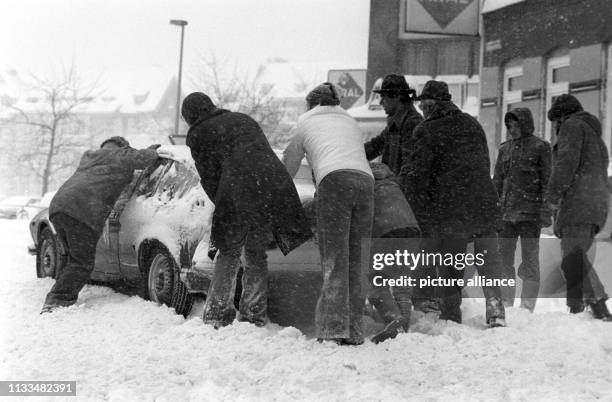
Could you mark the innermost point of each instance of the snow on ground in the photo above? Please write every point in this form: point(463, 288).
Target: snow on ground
point(124, 348)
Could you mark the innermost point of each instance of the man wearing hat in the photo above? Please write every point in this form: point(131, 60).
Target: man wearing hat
point(332, 142)
point(578, 193)
point(255, 199)
point(447, 183)
point(396, 98)
point(81, 206)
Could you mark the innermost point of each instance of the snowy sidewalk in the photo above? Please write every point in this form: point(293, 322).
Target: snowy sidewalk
point(124, 348)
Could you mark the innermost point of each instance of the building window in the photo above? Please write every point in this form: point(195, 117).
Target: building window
point(557, 83)
point(513, 77)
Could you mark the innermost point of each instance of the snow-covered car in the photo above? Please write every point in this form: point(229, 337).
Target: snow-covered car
point(151, 236)
point(16, 207)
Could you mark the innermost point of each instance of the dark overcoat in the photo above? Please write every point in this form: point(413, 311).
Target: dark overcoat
point(246, 181)
point(579, 180)
point(522, 171)
point(446, 180)
point(91, 192)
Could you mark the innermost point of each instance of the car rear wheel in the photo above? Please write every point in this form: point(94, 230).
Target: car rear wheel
point(47, 256)
point(163, 284)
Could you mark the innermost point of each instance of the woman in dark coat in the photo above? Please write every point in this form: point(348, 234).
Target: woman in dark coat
point(253, 196)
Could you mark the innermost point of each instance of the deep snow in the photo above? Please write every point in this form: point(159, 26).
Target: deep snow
point(124, 348)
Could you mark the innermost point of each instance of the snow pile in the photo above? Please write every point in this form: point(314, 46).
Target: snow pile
point(124, 348)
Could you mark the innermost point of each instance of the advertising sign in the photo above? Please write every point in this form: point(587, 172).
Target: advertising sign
point(350, 84)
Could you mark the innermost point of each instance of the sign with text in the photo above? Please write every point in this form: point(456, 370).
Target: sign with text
point(350, 84)
point(441, 17)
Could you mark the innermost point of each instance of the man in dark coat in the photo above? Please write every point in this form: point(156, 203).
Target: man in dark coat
point(81, 206)
point(394, 144)
point(254, 197)
point(447, 183)
point(578, 192)
point(521, 176)
point(402, 117)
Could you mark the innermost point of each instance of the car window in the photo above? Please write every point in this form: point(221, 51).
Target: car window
point(151, 178)
point(176, 181)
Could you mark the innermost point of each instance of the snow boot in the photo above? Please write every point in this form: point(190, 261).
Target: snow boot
point(495, 313)
point(451, 308)
point(600, 310)
point(392, 330)
point(575, 306)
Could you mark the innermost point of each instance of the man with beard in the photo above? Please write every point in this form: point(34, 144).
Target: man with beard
point(254, 198)
point(578, 193)
point(446, 181)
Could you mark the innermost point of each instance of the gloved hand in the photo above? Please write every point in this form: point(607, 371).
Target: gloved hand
point(154, 146)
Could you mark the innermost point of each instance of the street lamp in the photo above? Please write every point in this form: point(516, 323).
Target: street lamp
point(182, 24)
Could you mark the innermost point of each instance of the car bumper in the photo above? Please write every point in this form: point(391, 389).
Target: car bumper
point(32, 249)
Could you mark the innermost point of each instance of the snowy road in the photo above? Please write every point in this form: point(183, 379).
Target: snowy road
point(124, 348)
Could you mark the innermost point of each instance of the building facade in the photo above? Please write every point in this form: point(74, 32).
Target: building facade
point(536, 50)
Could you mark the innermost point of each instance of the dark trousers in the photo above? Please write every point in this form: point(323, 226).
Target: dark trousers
point(79, 242)
point(488, 246)
point(529, 269)
point(583, 284)
point(345, 207)
point(219, 309)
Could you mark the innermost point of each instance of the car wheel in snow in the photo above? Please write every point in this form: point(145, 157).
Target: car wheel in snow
point(163, 284)
point(47, 257)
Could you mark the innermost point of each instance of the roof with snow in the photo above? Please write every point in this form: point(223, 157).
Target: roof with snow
point(492, 5)
point(129, 91)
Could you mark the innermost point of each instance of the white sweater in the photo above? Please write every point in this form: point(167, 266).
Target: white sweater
point(331, 140)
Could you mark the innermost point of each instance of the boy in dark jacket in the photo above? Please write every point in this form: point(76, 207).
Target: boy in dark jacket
point(81, 206)
point(578, 193)
point(521, 175)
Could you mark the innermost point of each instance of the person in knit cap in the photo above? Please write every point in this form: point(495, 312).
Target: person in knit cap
point(578, 194)
point(254, 198)
point(332, 142)
point(447, 183)
point(81, 206)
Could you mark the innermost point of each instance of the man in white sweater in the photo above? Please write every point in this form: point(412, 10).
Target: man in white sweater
point(333, 145)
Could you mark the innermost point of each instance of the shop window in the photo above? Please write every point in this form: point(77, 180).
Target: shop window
point(557, 83)
point(513, 77)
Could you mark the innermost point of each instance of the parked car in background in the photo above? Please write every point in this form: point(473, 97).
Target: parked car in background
point(16, 207)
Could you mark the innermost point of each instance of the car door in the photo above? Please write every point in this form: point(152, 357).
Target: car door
point(133, 215)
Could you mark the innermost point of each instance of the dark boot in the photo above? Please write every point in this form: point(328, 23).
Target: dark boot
point(450, 308)
point(392, 330)
point(575, 306)
point(600, 310)
point(495, 313)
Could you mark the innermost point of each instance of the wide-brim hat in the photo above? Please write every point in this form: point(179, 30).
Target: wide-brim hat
point(436, 90)
point(393, 84)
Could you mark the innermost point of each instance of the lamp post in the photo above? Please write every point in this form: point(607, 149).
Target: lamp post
point(182, 24)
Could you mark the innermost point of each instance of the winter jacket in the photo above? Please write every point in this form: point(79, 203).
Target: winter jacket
point(332, 141)
point(579, 180)
point(91, 192)
point(396, 141)
point(446, 180)
point(248, 184)
point(392, 212)
point(521, 174)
